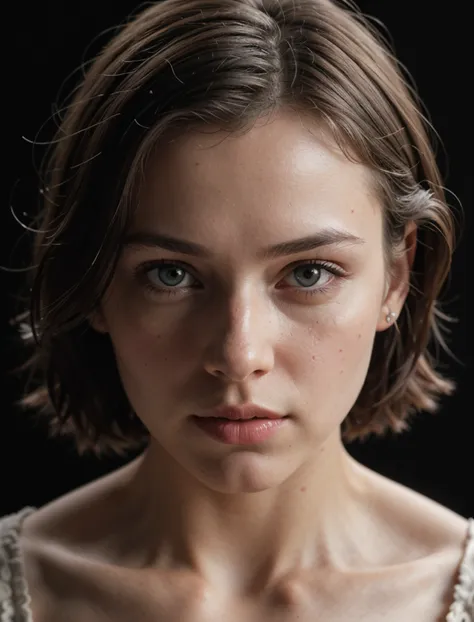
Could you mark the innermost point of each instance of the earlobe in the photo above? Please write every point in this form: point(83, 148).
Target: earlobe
point(387, 318)
point(97, 321)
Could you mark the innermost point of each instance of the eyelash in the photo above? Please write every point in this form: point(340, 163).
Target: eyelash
point(143, 269)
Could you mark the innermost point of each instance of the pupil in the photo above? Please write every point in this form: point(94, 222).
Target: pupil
point(311, 273)
point(171, 275)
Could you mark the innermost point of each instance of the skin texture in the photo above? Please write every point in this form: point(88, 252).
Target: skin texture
point(277, 529)
point(246, 331)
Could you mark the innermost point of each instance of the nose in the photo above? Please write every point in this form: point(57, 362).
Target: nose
point(242, 342)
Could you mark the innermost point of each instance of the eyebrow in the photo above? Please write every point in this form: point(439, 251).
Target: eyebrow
point(325, 237)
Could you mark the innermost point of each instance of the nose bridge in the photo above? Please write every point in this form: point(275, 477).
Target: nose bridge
point(242, 343)
point(242, 317)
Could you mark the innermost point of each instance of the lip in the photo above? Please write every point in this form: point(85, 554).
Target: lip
point(240, 431)
point(240, 425)
point(243, 412)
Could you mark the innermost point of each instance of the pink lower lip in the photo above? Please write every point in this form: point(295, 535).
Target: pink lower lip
point(240, 432)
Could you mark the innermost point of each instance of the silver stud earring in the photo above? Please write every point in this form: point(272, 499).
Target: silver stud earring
point(390, 316)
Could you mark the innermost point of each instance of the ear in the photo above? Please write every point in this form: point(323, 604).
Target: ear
point(398, 281)
point(97, 320)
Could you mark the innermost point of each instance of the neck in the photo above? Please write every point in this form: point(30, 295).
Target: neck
point(312, 520)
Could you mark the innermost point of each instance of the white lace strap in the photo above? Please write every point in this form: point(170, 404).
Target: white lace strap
point(14, 597)
point(462, 608)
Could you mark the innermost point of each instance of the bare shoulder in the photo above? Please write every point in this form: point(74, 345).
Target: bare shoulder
point(64, 547)
point(426, 537)
point(82, 514)
point(417, 517)
point(424, 543)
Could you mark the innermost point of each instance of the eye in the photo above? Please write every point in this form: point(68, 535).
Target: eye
point(314, 276)
point(308, 275)
point(165, 277)
point(170, 275)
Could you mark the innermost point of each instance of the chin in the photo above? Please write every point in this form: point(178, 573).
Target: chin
point(244, 472)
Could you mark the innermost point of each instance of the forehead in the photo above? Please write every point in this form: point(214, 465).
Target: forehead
point(285, 173)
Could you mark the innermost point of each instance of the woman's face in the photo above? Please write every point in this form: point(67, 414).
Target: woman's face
point(228, 320)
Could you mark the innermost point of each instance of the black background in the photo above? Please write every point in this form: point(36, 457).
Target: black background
point(46, 42)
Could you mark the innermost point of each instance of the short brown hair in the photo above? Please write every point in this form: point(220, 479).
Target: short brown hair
point(225, 64)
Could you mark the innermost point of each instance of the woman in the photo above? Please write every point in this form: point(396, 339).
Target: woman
point(243, 240)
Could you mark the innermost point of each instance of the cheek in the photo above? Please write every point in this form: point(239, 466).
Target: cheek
point(152, 351)
point(333, 355)
point(344, 347)
point(151, 356)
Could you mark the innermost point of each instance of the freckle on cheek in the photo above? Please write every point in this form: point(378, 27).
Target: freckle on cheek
point(303, 488)
point(340, 351)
